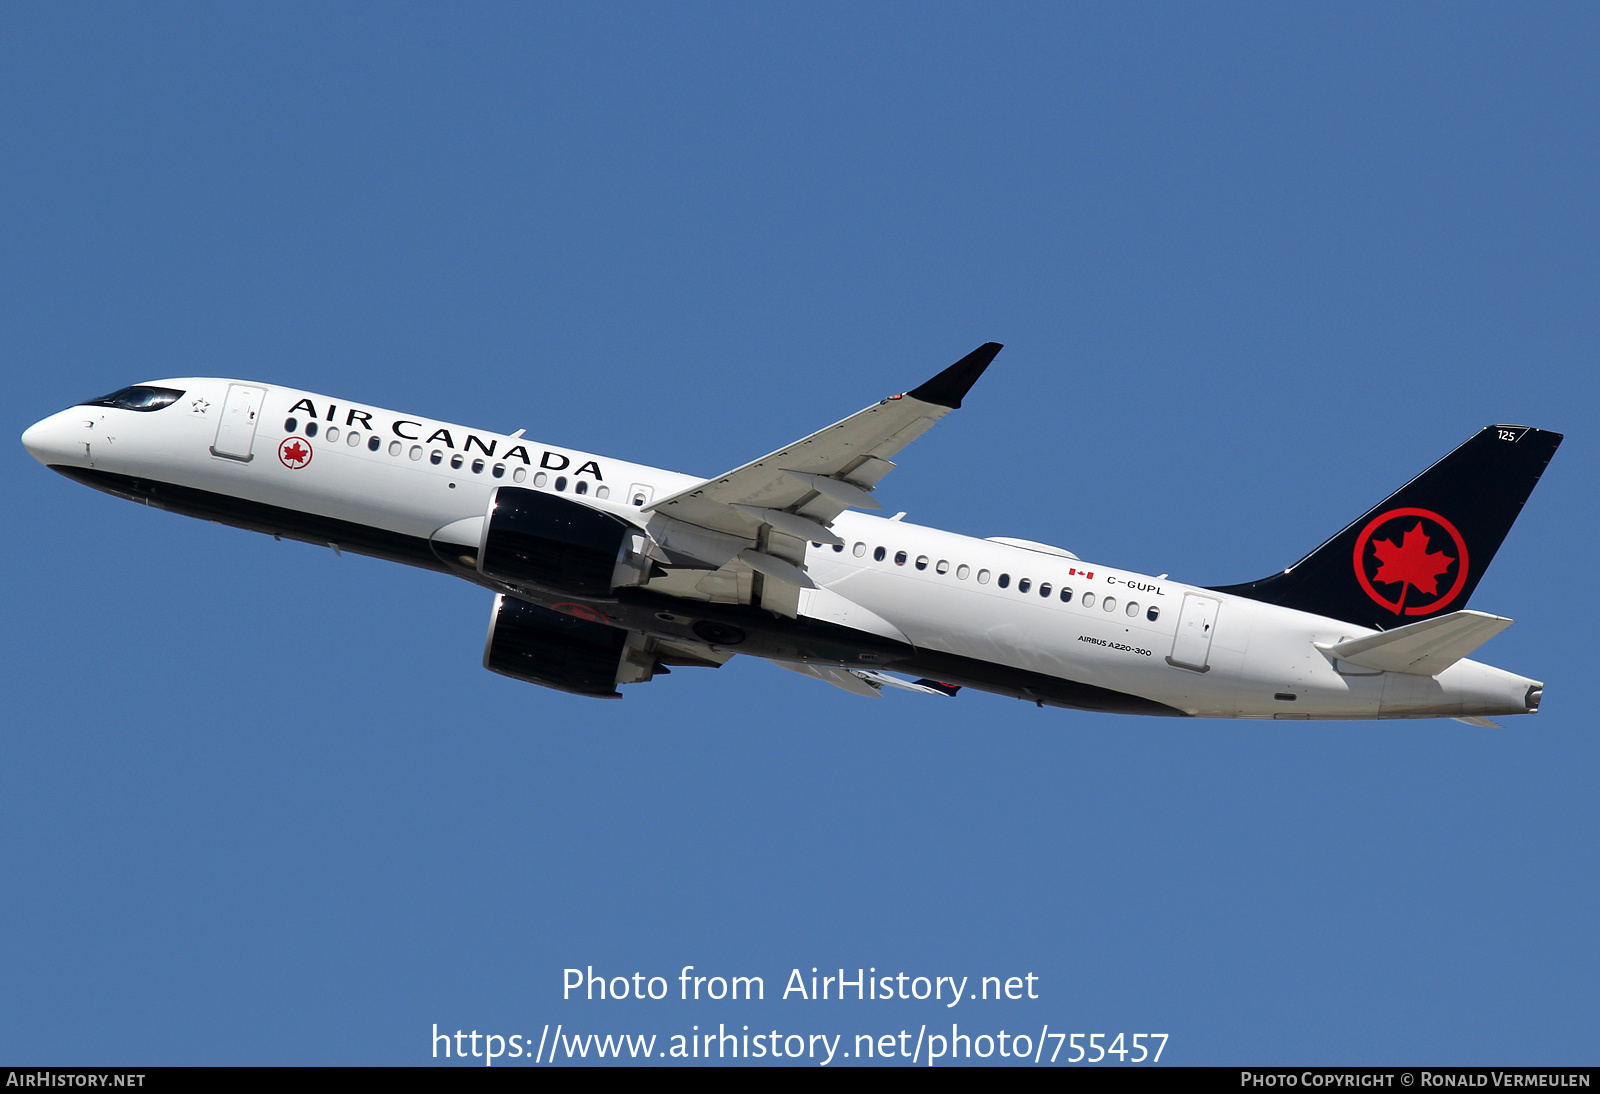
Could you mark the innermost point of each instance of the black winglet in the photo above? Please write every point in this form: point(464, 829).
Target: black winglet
point(948, 388)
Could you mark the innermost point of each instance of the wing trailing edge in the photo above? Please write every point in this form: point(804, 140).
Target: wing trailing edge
point(752, 523)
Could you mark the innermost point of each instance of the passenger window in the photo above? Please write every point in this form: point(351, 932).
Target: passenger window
point(922, 562)
point(640, 493)
point(838, 548)
point(499, 470)
point(1110, 604)
point(1044, 590)
point(943, 567)
point(353, 439)
point(581, 486)
point(602, 492)
point(291, 425)
point(859, 549)
point(436, 457)
point(1133, 610)
point(519, 474)
point(416, 452)
point(455, 462)
point(899, 558)
point(1088, 600)
point(373, 444)
point(311, 429)
point(394, 448)
point(561, 482)
point(983, 577)
point(1153, 614)
point(1005, 579)
point(962, 571)
point(1066, 594)
point(878, 554)
point(333, 433)
point(477, 467)
point(1024, 585)
point(540, 479)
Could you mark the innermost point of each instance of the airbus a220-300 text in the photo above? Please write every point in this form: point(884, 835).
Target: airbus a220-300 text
point(607, 573)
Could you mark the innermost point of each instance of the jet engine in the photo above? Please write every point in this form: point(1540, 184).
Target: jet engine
point(527, 642)
point(553, 543)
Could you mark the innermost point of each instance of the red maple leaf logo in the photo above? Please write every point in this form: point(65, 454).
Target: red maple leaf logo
point(1410, 564)
point(294, 454)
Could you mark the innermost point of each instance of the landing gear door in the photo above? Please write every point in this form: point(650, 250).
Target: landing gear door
point(236, 429)
point(1197, 622)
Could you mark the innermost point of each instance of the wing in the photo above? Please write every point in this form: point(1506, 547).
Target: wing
point(751, 525)
point(839, 678)
point(868, 682)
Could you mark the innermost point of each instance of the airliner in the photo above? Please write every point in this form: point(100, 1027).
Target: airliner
point(607, 573)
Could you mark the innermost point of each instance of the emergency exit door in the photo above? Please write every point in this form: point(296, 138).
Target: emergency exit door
point(236, 431)
point(1196, 624)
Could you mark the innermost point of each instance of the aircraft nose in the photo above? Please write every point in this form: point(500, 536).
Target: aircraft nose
point(47, 440)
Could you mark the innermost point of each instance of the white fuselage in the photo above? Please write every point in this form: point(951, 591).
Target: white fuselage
point(1197, 650)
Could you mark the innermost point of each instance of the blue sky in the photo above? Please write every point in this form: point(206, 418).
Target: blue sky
point(1254, 267)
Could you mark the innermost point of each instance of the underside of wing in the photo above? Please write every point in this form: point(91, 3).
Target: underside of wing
point(839, 678)
point(749, 527)
point(866, 682)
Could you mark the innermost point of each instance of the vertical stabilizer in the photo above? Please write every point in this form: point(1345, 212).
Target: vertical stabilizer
point(1421, 550)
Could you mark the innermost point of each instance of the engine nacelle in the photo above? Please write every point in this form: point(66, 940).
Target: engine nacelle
point(539, 539)
point(527, 642)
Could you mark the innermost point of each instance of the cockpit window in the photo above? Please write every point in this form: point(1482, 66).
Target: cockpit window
point(138, 398)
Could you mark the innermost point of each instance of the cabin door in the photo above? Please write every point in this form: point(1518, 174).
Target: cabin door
point(236, 431)
point(1196, 624)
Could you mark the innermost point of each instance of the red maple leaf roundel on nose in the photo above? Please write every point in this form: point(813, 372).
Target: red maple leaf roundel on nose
point(294, 453)
point(1404, 549)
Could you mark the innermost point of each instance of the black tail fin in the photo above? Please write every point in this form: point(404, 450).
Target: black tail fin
point(1423, 549)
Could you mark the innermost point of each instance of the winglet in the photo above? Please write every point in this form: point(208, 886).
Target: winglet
point(948, 388)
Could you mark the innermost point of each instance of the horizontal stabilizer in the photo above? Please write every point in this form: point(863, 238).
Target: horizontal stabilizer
point(1423, 649)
